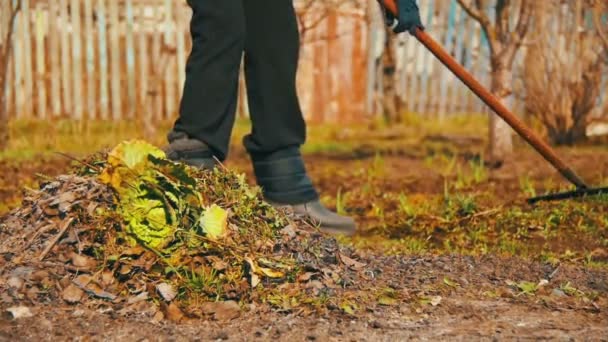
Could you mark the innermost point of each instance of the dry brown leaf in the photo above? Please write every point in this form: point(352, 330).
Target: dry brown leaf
point(306, 277)
point(351, 262)
point(86, 283)
point(72, 294)
point(217, 263)
point(174, 313)
point(83, 261)
point(107, 278)
point(222, 311)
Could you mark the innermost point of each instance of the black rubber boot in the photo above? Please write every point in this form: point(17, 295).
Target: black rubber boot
point(190, 151)
point(285, 184)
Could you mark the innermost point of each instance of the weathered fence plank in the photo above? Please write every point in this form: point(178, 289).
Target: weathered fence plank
point(91, 106)
point(54, 53)
point(77, 59)
point(18, 70)
point(104, 101)
point(115, 65)
point(445, 78)
point(40, 62)
point(130, 52)
point(28, 67)
point(427, 60)
point(66, 85)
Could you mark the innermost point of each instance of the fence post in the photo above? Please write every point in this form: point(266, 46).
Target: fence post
point(40, 62)
point(425, 56)
point(66, 84)
point(143, 64)
point(90, 63)
point(115, 60)
point(18, 48)
point(169, 70)
point(444, 77)
point(463, 27)
point(181, 54)
point(54, 65)
point(103, 60)
point(77, 59)
point(130, 52)
point(28, 83)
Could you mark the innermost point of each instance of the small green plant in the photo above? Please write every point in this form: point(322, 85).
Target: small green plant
point(570, 290)
point(378, 212)
point(449, 165)
point(459, 205)
point(527, 186)
point(377, 169)
point(525, 287)
point(405, 207)
point(476, 174)
point(480, 173)
point(205, 280)
point(462, 179)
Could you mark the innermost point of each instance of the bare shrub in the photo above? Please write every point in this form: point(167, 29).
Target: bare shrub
point(564, 67)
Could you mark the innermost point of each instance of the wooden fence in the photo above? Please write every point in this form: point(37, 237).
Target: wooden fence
point(106, 59)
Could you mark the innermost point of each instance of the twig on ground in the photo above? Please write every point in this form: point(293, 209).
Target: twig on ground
point(67, 156)
point(552, 275)
point(55, 239)
point(36, 235)
point(480, 214)
point(66, 266)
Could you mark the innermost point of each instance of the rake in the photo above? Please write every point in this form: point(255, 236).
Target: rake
point(582, 190)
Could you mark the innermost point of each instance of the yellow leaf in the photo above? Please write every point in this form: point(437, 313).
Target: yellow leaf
point(349, 308)
point(271, 273)
point(133, 153)
point(214, 222)
point(387, 301)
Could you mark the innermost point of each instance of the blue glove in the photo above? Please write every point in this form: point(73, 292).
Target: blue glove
point(408, 18)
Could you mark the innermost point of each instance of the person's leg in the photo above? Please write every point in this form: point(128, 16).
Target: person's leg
point(271, 60)
point(208, 104)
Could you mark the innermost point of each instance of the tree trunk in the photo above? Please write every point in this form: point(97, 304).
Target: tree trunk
point(5, 55)
point(500, 133)
point(4, 134)
point(391, 103)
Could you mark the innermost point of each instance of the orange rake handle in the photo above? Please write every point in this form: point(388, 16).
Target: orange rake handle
point(486, 96)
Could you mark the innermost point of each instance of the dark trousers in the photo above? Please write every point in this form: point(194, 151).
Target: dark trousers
point(266, 32)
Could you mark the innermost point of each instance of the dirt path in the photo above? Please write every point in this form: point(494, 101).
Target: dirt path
point(482, 306)
point(473, 320)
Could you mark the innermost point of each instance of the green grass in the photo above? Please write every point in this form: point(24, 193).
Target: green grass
point(31, 138)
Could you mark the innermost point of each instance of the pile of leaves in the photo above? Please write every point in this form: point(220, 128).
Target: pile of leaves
point(134, 232)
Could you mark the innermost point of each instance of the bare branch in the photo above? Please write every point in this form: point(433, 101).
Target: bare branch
point(597, 20)
point(11, 27)
point(503, 12)
point(4, 58)
point(475, 11)
point(521, 29)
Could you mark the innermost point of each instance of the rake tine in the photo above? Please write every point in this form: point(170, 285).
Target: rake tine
point(570, 194)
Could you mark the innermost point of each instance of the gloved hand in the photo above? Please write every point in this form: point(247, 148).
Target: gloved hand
point(408, 17)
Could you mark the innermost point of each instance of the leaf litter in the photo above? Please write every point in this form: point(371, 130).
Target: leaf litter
point(130, 228)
